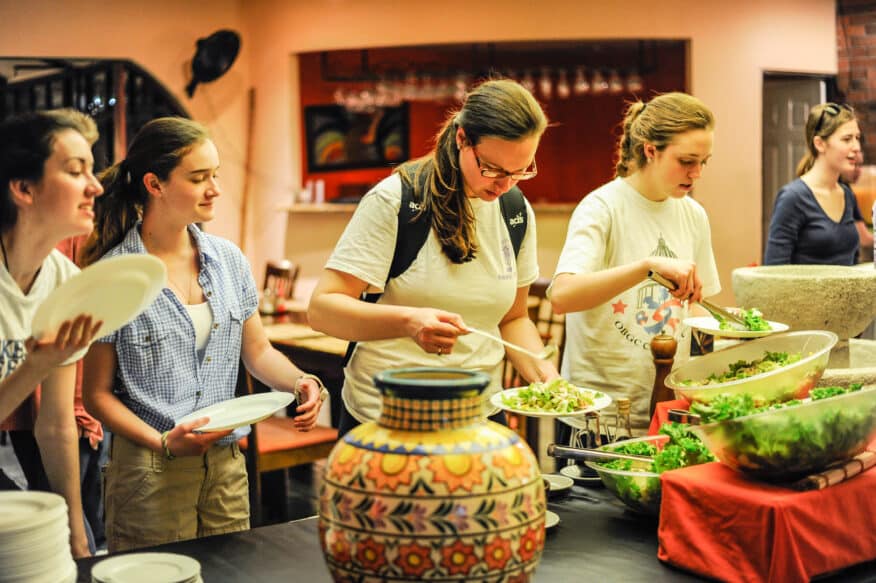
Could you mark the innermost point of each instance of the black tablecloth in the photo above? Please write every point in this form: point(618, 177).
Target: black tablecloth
point(596, 540)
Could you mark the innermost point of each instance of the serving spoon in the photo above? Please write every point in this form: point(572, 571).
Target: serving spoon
point(545, 354)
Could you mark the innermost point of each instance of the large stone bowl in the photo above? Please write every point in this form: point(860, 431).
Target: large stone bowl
point(810, 297)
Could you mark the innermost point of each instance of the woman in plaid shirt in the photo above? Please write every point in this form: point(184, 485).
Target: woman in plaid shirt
point(164, 481)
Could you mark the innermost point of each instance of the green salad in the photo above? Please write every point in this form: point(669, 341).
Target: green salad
point(742, 369)
point(555, 396)
point(753, 319)
point(642, 493)
point(788, 440)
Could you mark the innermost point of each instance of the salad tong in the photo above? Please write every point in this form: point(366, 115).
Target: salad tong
point(717, 311)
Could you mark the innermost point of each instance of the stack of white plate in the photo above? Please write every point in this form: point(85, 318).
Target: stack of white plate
point(35, 538)
point(147, 568)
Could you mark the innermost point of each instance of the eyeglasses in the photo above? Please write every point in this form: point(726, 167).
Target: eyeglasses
point(833, 109)
point(502, 174)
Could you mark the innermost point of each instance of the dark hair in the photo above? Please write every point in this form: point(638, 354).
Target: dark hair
point(158, 148)
point(497, 108)
point(820, 124)
point(26, 142)
point(657, 123)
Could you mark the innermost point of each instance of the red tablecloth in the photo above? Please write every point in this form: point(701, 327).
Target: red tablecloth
point(717, 523)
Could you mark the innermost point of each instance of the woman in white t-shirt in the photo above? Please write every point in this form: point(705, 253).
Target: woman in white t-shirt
point(465, 274)
point(641, 221)
point(48, 190)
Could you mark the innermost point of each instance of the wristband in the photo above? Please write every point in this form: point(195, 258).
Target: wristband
point(164, 446)
point(323, 392)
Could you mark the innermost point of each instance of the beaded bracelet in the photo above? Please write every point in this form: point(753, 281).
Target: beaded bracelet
point(166, 448)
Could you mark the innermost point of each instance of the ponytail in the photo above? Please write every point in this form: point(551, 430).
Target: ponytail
point(115, 213)
point(627, 159)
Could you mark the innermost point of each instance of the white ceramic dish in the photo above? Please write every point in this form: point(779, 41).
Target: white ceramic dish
point(551, 519)
point(241, 411)
point(114, 290)
point(559, 484)
point(574, 472)
point(711, 326)
point(29, 510)
point(600, 401)
point(147, 568)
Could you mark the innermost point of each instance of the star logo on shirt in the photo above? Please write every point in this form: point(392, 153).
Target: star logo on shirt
point(619, 307)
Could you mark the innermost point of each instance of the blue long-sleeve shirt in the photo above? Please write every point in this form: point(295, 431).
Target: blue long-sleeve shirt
point(802, 233)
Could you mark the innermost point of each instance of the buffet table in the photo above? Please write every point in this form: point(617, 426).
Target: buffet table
point(596, 540)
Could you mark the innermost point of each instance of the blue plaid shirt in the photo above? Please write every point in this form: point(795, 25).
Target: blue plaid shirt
point(159, 375)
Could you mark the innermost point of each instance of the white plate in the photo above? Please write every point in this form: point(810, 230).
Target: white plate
point(574, 473)
point(599, 402)
point(146, 568)
point(114, 290)
point(29, 510)
point(711, 326)
point(551, 519)
point(559, 484)
point(241, 411)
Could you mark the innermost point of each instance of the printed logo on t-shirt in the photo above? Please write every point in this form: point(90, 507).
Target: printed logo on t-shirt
point(648, 309)
point(508, 260)
point(12, 354)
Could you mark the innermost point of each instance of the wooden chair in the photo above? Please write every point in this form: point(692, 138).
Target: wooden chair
point(274, 444)
point(280, 277)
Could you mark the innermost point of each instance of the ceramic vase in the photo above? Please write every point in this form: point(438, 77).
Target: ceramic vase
point(432, 490)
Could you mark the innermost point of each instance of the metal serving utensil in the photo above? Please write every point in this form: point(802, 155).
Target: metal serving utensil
point(545, 354)
point(575, 453)
point(717, 311)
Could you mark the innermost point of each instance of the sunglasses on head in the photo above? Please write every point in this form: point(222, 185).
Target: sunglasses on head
point(834, 109)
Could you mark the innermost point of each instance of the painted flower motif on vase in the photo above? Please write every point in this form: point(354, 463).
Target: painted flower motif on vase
point(346, 461)
point(391, 470)
point(458, 471)
point(497, 553)
point(513, 462)
point(458, 558)
point(371, 554)
point(530, 543)
point(414, 559)
point(339, 546)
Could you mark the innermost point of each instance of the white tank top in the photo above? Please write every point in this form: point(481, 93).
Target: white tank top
point(202, 319)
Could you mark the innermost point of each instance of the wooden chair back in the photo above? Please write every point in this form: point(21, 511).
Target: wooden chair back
point(275, 444)
point(280, 277)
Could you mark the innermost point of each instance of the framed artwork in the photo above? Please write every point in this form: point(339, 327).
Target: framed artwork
point(338, 139)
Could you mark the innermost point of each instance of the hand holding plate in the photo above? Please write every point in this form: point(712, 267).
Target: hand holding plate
point(72, 337)
point(182, 439)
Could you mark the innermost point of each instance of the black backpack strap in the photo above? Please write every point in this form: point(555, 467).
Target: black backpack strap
point(513, 205)
point(409, 239)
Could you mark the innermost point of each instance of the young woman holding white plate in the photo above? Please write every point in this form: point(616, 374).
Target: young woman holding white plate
point(48, 190)
point(165, 481)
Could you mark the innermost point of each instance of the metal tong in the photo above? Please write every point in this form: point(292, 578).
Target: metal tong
point(575, 453)
point(717, 311)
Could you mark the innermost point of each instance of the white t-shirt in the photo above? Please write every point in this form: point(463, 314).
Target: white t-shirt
point(17, 309)
point(481, 291)
point(608, 347)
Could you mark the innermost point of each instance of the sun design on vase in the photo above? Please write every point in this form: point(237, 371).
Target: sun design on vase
point(458, 471)
point(390, 470)
point(458, 558)
point(414, 559)
point(371, 554)
point(497, 553)
point(513, 463)
point(345, 461)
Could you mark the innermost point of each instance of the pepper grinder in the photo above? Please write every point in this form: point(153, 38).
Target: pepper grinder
point(663, 347)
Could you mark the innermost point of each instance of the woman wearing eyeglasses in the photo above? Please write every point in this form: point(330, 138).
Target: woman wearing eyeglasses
point(641, 221)
point(816, 219)
point(465, 274)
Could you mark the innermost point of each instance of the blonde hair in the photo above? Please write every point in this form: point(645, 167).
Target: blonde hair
point(820, 124)
point(658, 122)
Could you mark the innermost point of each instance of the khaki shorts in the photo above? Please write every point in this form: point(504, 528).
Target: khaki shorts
point(151, 500)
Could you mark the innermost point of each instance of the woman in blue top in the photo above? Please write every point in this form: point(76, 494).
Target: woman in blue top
point(815, 217)
point(164, 481)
